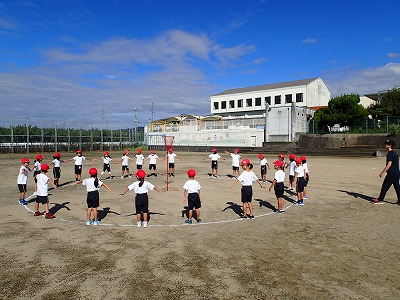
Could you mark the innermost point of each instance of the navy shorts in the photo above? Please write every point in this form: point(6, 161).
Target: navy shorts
point(152, 166)
point(22, 188)
point(139, 167)
point(93, 199)
point(235, 168)
point(291, 178)
point(193, 201)
point(171, 165)
point(78, 169)
point(141, 203)
point(263, 170)
point(106, 167)
point(214, 164)
point(279, 189)
point(125, 168)
point(247, 193)
point(300, 185)
point(42, 199)
point(56, 172)
point(34, 175)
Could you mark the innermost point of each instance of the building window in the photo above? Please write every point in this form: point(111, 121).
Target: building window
point(299, 97)
point(249, 102)
point(277, 99)
point(268, 100)
point(288, 98)
point(258, 101)
point(215, 105)
point(223, 105)
point(240, 103)
point(231, 103)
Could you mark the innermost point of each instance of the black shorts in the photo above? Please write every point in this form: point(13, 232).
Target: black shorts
point(93, 199)
point(106, 167)
point(125, 168)
point(279, 189)
point(291, 178)
point(57, 172)
point(34, 175)
point(78, 169)
point(214, 164)
point(235, 168)
point(247, 193)
point(152, 166)
point(193, 201)
point(22, 188)
point(171, 165)
point(263, 170)
point(139, 167)
point(42, 199)
point(301, 183)
point(142, 203)
point(308, 178)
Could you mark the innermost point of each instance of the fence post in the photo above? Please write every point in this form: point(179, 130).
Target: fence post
point(42, 137)
point(69, 140)
point(101, 139)
point(55, 137)
point(111, 137)
point(27, 137)
point(12, 136)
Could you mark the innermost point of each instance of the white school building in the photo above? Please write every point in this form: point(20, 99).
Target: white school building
point(248, 117)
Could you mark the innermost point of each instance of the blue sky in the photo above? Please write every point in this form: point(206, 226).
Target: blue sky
point(90, 63)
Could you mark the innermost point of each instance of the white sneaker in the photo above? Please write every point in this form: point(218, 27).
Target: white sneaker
point(122, 177)
point(139, 224)
point(88, 223)
point(144, 224)
point(130, 176)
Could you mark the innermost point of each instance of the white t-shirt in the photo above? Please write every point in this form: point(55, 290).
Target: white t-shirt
point(125, 160)
point(192, 186)
point(300, 171)
point(292, 167)
point(246, 178)
point(235, 160)
point(36, 166)
point(279, 176)
point(139, 159)
point(305, 166)
point(152, 159)
point(141, 189)
point(171, 157)
point(214, 156)
point(23, 175)
point(42, 187)
point(106, 159)
point(89, 182)
point(57, 163)
point(79, 160)
point(263, 162)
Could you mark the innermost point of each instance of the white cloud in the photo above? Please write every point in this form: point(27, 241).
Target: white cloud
point(309, 41)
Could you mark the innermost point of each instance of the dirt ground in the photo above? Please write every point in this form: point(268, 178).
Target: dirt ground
point(337, 246)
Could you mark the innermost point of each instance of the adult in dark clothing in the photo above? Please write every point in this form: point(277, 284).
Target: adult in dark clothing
point(392, 173)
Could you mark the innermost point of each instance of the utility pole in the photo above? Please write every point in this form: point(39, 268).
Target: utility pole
point(135, 122)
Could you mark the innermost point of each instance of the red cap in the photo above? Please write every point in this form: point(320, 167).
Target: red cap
point(92, 171)
point(214, 150)
point(25, 160)
point(281, 156)
point(279, 163)
point(44, 167)
point(39, 157)
point(152, 151)
point(58, 154)
point(292, 156)
point(191, 173)
point(298, 160)
point(139, 151)
point(236, 150)
point(170, 150)
point(260, 156)
point(245, 162)
point(303, 157)
point(79, 151)
point(126, 152)
point(140, 174)
point(106, 153)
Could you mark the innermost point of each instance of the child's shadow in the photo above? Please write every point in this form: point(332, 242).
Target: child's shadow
point(58, 206)
point(284, 197)
point(357, 195)
point(291, 193)
point(185, 212)
point(266, 204)
point(102, 213)
point(237, 209)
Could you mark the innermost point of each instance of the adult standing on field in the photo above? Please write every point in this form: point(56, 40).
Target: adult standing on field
point(392, 173)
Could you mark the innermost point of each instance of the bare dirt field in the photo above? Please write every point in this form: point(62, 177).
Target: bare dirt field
point(337, 246)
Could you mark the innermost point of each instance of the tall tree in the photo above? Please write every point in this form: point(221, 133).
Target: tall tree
point(388, 106)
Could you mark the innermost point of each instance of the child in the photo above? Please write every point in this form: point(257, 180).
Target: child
point(22, 180)
point(281, 157)
point(93, 185)
point(57, 167)
point(171, 162)
point(192, 194)
point(214, 162)
point(291, 165)
point(299, 177)
point(139, 159)
point(235, 162)
point(152, 163)
point(263, 165)
point(78, 160)
point(246, 179)
point(307, 177)
point(36, 168)
point(125, 164)
point(278, 185)
point(106, 164)
point(141, 189)
point(42, 193)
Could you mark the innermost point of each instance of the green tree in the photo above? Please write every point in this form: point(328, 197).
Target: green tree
point(388, 106)
point(343, 110)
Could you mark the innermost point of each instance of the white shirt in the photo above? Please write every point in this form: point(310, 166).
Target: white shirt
point(106, 159)
point(89, 182)
point(37, 166)
point(300, 171)
point(292, 167)
point(125, 160)
point(42, 187)
point(57, 163)
point(171, 157)
point(263, 162)
point(192, 186)
point(139, 159)
point(23, 175)
point(235, 160)
point(279, 176)
point(79, 160)
point(305, 166)
point(246, 178)
point(152, 159)
point(141, 189)
point(214, 156)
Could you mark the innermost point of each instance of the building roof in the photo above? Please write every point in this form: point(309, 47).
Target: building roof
point(267, 87)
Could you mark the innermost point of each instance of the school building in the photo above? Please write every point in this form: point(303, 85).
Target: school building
point(248, 116)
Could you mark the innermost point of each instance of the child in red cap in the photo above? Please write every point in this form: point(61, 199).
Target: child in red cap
point(124, 164)
point(192, 194)
point(263, 167)
point(299, 178)
point(152, 163)
point(214, 161)
point(106, 158)
point(278, 184)
point(37, 168)
point(22, 180)
point(292, 166)
point(57, 161)
point(42, 193)
point(235, 162)
point(139, 159)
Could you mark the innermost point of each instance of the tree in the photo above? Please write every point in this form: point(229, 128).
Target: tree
point(388, 106)
point(343, 110)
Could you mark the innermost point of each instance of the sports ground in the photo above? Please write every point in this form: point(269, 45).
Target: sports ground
point(337, 246)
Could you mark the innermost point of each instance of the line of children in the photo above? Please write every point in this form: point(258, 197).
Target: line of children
point(191, 193)
point(278, 184)
point(124, 164)
point(235, 162)
point(57, 161)
point(42, 193)
point(263, 167)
